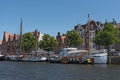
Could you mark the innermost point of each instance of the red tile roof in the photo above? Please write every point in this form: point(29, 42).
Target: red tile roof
point(0, 42)
point(7, 36)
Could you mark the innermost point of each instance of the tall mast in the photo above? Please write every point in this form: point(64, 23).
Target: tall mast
point(88, 34)
point(88, 40)
point(21, 37)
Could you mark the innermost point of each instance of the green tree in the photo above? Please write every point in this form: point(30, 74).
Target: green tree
point(106, 37)
point(29, 42)
point(73, 39)
point(48, 43)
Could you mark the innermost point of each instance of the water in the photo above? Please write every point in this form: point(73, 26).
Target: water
point(48, 71)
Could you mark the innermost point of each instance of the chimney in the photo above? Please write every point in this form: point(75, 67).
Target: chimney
point(58, 33)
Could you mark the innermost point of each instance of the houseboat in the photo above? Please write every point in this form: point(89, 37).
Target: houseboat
point(72, 55)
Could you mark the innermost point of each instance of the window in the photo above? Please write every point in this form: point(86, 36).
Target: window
point(92, 27)
point(93, 34)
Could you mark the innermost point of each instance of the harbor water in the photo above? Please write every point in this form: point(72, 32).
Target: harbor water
point(48, 71)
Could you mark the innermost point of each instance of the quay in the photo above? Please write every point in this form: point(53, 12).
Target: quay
point(64, 60)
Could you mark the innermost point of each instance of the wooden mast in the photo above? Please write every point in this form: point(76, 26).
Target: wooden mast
point(88, 40)
point(88, 34)
point(21, 36)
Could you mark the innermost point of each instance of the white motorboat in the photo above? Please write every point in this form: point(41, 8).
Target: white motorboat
point(35, 57)
point(99, 57)
point(14, 57)
point(54, 59)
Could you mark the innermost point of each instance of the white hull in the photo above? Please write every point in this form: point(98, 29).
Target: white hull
point(12, 58)
point(54, 58)
point(35, 56)
point(100, 58)
point(35, 59)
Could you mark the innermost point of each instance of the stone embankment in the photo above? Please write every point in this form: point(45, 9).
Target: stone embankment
point(115, 59)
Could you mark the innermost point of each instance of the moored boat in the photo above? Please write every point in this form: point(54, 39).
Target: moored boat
point(54, 59)
point(2, 57)
point(72, 55)
point(35, 57)
point(99, 57)
point(14, 57)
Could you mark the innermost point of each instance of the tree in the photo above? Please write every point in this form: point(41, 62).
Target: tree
point(104, 38)
point(29, 42)
point(108, 36)
point(73, 38)
point(48, 43)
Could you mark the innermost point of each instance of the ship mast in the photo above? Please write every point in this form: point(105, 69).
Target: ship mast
point(21, 37)
point(88, 35)
point(88, 40)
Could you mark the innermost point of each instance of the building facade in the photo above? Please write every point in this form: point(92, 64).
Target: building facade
point(117, 46)
point(10, 43)
point(61, 42)
point(88, 32)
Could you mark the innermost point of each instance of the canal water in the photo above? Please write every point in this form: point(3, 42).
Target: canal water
point(48, 71)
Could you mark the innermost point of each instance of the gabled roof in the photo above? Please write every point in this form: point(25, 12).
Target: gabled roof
point(9, 37)
point(95, 23)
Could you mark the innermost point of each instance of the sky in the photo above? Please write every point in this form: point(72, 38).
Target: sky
point(53, 16)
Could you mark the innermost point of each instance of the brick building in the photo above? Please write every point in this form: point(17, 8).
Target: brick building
point(117, 46)
point(11, 42)
point(0, 45)
point(61, 42)
point(88, 32)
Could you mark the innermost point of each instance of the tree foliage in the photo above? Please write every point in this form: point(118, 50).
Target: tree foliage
point(104, 38)
point(29, 42)
point(108, 36)
point(73, 39)
point(48, 43)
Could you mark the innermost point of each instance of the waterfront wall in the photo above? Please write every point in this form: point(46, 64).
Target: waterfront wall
point(115, 60)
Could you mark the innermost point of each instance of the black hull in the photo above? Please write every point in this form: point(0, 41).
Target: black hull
point(53, 61)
